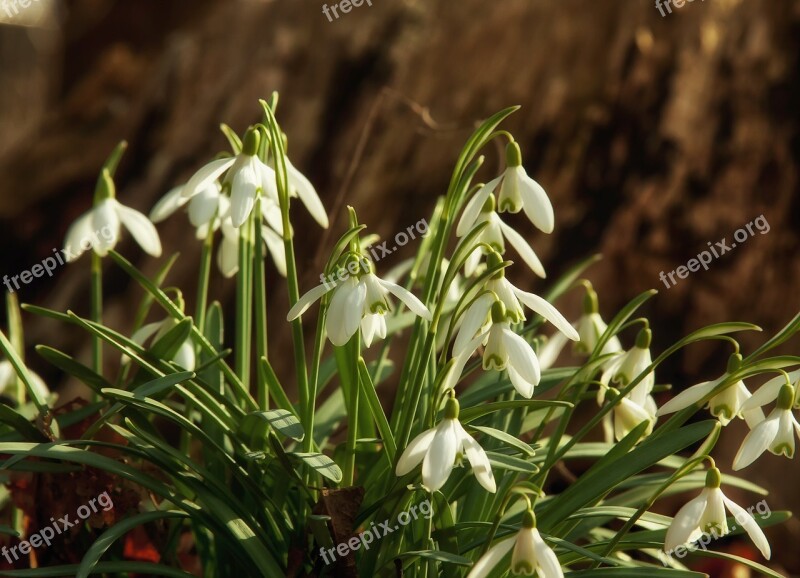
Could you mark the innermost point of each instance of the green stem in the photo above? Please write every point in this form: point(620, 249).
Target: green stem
point(353, 355)
point(259, 282)
point(203, 280)
point(97, 312)
point(244, 296)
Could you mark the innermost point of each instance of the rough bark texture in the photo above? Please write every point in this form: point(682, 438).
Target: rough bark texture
point(653, 136)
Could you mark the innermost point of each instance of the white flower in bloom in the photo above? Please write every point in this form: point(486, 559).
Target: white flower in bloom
point(776, 433)
point(628, 414)
point(358, 301)
point(207, 205)
point(531, 556)
point(768, 392)
point(184, 357)
point(245, 176)
point(725, 405)
point(8, 377)
point(632, 363)
point(705, 514)
point(480, 209)
point(439, 447)
point(228, 254)
point(99, 230)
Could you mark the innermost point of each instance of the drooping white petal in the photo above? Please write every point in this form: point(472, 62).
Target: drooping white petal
point(757, 441)
point(765, 394)
point(416, 450)
point(783, 444)
point(307, 300)
point(522, 247)
point(228, 257)
point(477, 458)
point(272, 214)
point(268, 181)
point(524, 560)
point(459, 361)
point(550, 351)
point(6, 374)
point(536, 203)
point(168, 204)
point(750, 526)
point(548, 562)
point(627, 415)
point(203, 206)
point(79, 236)
point(244, 184)
point(472, 262)
point(688, 397)
point(105, 222)
point(184, 357)
point(345, 311)
point(440, 459)
point(685, 525)
point(713, 520)
point(473, 320)
point(521, 356)
point(145, 332)
point(206, 175)
point(524, 387)
point(308, 195)
point(38, 384)
point(275, 248)
point(474, 206)
point(506, 293)
point(410, 300)
point(546, 310)
point(140, 228)
point(492, 558)
point(369, 327)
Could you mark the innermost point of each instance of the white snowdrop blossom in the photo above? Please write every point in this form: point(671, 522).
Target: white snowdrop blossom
point(480, 209)
point(184, 356)
point(632, 363)
point(768, 392)
point(245, 176)
point(725, 405)
point(361, 300)
point(628, 414)
point(440, 447)
point(228, 253)
point(705, 514)
point(530, 556)
point(8, 377)
point(591, 328)
point(99, 228)
point(205, 208)
point(776, 433)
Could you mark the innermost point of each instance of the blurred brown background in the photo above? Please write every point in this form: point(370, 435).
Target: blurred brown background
point(652, 134)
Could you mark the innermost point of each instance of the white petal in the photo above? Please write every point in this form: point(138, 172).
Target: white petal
point(523, 559)
point(685, 523)
point(244, 184)
point(79, 231)
point(268, 181)
point(206, 175)
point(7, 374)
point(523, 248)
point(307, 300)
point(228, 257)
point(477, 458)
point(524, 388)
point(550, 351)
point(272, 214)
point(457, 367)
point(473, 319)
point(688, 397)
point(168, 204)
point(536, 203)
point(141, 228)
point(492, 558)
point(414, 304)
point(440, 459)
point(105, 221)
point(474, 206)
point(521, 357)
point(546, 310)
point(308, 195)
point(185, 355)
point(344, 313)
point(275, 248)
point(750, 526)
point(547, 559)
point(472, 262)
point(713, 519)
point(203, 206)
point(38, 384)
point(141, 335)
point(415, 451)
point(757, 441)
point(765, 394)
point(784, 438)
point(369, 326)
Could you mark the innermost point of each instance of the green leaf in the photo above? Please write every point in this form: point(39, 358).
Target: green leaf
point(437, 556)
point(472, 413)
point(504, 462)
point(321, 463)
point(22, 426)
point(368, 389)
point(283, 421)
point(71, 367)
point(506, 438)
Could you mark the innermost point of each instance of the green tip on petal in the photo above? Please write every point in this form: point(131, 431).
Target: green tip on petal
point(252, 139)
point(513, 155)
point(451, 408)
point(105, 188)
point(786, 397)
point(529, 519)
point(590, 304)
point(713, 478)
point(734, 362)
point(498, 312)
point(644, 338)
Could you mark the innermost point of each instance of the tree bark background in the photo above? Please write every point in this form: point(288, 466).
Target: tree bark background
point(652, 135)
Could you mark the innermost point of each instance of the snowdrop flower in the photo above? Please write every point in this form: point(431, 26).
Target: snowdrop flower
point(531, 556)
point(207, 205)
point(184, 357)
point(768, 392)
point(776, 433)
point(632, 363)
point(627, 415)
point(360, 300)
point(439, 448)
point(480, 209)
point(246, 176)
point(99, 228)
point(8, 377)
point(228, 253)
point(725, 405)
point(705, 514)
point(591, 328)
